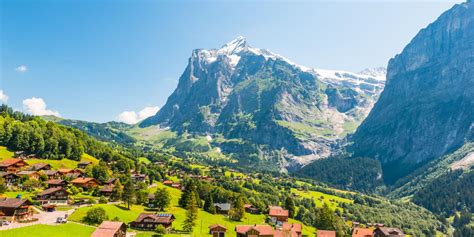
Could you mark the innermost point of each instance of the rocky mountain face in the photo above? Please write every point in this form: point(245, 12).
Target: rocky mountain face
point(245, 95)
point(427, 107)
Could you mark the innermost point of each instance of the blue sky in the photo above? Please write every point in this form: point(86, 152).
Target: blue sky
point(93, 60)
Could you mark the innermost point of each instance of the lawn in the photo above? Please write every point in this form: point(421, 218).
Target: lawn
point(4, 153)
point(65, 230)
point(144, 160)
point(205, 219)
point(321, 198)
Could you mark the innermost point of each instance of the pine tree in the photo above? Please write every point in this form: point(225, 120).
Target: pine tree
point(191, 215)
point(290, 206)
point(209, 205)
point(163, 199)
point(117, 191)
point(128, 193)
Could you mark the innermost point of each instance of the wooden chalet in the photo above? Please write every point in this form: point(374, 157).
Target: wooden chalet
point(249, 208)
point(12, 165)
point(222, 208)
point(254, 231)
point(278, 215)
point(57, 195)
point(296, 230)
point(138, 178)
point(110, 181)
point(83, 164)
point(110, 229)
point(52, 174)
point(15, 209)
point(388, 232)
point(9, 178)
point(149, 221)
point(177, 186)
point(326, 233)
point(168, 183)
point(54, 183)
point(107, 190)
point(85, 182)
point(217, 230)
point(362, 232)
point(30, 174)
point(40, 166)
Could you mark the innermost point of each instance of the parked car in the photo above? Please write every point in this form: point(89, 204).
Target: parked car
point(61, 220)
point(2, 223)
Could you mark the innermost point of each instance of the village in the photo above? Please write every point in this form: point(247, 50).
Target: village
point(59, 193)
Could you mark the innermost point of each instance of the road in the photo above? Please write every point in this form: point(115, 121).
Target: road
point(47, 218)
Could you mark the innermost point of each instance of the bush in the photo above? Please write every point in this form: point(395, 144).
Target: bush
point(95, 215)
point(102, 200)
point(160, 229)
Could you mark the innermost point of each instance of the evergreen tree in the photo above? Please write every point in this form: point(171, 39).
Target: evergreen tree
point(290, 206)
point(209, 205)
point(128, 193)
point(325, 218)
point(191, 214)
point(117, 191)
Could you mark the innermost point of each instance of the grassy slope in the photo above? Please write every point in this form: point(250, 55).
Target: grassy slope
point(204, 220)
point(65, 230)
point(56, 164)
point(321, 198)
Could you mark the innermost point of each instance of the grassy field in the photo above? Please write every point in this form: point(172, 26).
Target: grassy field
point(144, 160)
point(56, 164)
point(321, 198)
point(4, 153)
point(65, 230)
point(204, 219)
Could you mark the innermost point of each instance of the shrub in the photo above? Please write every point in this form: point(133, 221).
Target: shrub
point(95, 215)
point(160, 229)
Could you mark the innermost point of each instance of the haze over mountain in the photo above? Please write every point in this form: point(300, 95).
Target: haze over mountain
point(251, 96)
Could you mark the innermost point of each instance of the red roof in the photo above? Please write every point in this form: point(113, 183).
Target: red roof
point(51, 191)
point(10, 162)
point(55, 181)
point(167, 182)
point(326, 233)
point(107, 229)
point(211, 227)
point(362, 232)
point(261, 229)
point(292, 226)
point(278, 211)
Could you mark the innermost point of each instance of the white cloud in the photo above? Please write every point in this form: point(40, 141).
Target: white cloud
point(37, 106)
point(3, 97)
point(21, 69)
point(132, 117)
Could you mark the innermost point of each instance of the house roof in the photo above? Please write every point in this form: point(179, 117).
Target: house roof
point(278, 211)
point(167, 182)
point(82, 180)
point(27, 172)
point(110, 180)
point(64, 171)
point(326, 233)
point(10, 162)
point(3, 174)
point(50, 172)
point(389, 231)
point(211, 227)
point(13, 202)
point(362, 232)
point(261, 229)
point(159, 218)
point(292, 226)
point(39, 166)
point(55, 181)
point(222, 206)
point(84, 163)
point(50, 191)
point(107, 229)
point(107, 188)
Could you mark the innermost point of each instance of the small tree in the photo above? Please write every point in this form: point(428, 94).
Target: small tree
point(102, 200)
point(162, 199)
point(117, 191)
point(3, 186)
point(160, 230)
point(209, 205)
point(290, 206)
point(128, 193)
point(237, 212)
point(191, 215)
point(95, 215)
